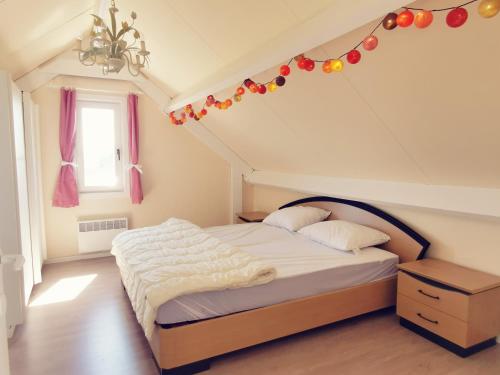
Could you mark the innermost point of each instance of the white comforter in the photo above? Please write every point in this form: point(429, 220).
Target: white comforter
point(175, 258)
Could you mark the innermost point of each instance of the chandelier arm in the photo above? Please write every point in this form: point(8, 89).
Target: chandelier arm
point(133, 73)
point(113, 22)
point(109, 33)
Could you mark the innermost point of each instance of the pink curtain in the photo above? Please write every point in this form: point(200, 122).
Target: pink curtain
point(66, 192)
point(133, 145)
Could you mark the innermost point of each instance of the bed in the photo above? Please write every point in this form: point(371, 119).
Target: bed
point(315, 285)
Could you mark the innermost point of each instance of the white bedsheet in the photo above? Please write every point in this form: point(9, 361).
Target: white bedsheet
point(304, 268)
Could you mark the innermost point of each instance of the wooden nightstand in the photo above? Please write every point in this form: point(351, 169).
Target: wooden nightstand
point(252, 216)
point(456, 307)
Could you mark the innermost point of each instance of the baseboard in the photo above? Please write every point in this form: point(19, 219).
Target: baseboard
point(100, 254)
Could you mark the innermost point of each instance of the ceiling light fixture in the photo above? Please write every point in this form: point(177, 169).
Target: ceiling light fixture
point(109, 49)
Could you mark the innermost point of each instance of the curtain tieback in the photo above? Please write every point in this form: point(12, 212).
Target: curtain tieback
point(137, 167)
point(64, 163)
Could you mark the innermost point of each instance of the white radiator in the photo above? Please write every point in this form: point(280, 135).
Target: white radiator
point(96, 235)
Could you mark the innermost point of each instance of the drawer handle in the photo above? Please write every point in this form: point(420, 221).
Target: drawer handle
point(429, 320)
point(427, 295)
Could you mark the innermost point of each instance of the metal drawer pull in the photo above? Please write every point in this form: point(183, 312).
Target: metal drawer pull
point(429, 320)
point(427, 295)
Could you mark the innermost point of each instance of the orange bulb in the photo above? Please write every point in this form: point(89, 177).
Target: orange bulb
point(423, 18)
point(327, 66)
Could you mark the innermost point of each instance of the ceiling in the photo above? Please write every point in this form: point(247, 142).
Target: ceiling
point(34, 31)
point(422, 107)
point(189, 39)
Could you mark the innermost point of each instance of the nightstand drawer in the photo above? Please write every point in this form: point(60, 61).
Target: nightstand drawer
point(448, 301)
point(433, 320)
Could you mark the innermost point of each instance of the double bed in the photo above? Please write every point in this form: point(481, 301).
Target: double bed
point(314, 285)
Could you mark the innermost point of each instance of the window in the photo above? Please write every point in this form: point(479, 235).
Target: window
point(100, 152)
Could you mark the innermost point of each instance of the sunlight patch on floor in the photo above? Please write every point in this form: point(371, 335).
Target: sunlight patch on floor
point(64, 290)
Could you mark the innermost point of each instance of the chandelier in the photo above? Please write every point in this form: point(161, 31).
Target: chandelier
point(109, 49)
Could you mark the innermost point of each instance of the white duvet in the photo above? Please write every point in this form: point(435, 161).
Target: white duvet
point(175, 258)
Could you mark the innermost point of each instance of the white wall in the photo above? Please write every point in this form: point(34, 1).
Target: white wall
point(182, 177)
point(468, 240)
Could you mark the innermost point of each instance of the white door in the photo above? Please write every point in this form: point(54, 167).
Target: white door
point(22, 190)
point(33, 164)
point(10, 234)
point(4, 350)
point(16, 263)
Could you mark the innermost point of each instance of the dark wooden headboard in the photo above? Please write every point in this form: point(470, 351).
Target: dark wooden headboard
point(405, 242)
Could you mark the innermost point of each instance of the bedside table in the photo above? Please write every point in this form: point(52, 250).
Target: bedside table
point(252, 216)
point(453, 306)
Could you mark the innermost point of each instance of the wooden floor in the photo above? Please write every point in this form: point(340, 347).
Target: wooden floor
point(96, 333)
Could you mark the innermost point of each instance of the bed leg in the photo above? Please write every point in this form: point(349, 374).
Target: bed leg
point(189, 369)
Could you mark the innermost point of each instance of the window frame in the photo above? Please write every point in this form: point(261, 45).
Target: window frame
point(121, 132)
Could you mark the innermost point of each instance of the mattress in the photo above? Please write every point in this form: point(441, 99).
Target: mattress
point(304, 268)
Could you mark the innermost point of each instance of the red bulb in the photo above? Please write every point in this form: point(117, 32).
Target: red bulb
point(309, 65)
point(354, 56)
point(457, 17)
point(405, 18)
point(240, 91)
point(203, 111)
point(262, 89)
point(229, 102)
point(302, 63)
point(284, 70)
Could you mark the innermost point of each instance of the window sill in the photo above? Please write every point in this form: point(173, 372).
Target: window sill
point(103, 195)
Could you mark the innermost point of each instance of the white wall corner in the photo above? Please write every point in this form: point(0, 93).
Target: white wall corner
point(462, 199)
point(238, 166)
point(236, 193)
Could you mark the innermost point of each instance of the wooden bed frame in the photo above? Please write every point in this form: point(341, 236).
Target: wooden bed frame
point(187, 348)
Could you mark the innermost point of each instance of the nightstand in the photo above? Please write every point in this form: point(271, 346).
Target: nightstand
point(252, 216)
point(453, 306)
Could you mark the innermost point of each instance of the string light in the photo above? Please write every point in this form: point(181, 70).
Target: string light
point(420, 17)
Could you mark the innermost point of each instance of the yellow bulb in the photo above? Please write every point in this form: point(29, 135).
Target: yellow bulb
point(237, 98)
point(272, 86)
point(489, 8)
point(337, 65)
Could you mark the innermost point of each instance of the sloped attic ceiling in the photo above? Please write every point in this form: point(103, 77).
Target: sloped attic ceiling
point(34, 31)
point(190, 39)
point(420, 108)
point(423, 107)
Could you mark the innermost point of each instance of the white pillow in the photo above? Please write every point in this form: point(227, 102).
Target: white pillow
point(344, 235)
point(295, 217)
